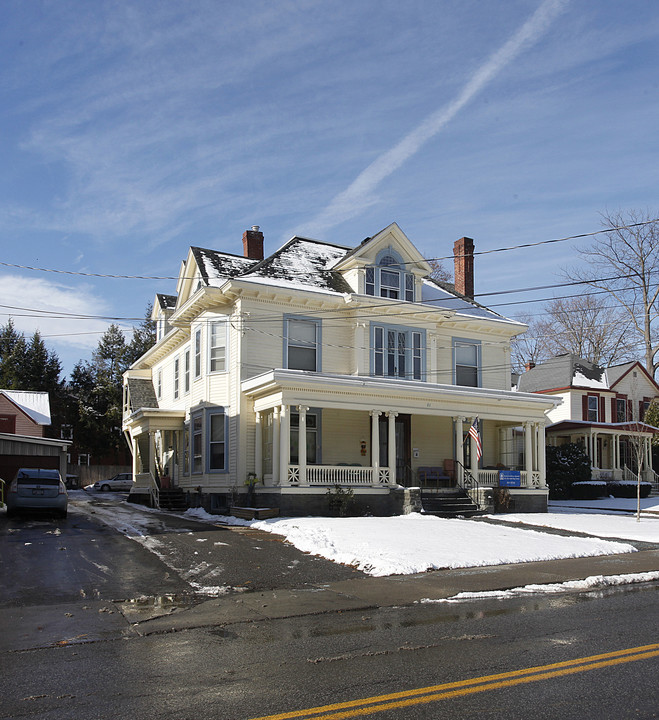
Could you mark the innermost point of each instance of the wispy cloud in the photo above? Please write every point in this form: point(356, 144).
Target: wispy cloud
point(360, 193)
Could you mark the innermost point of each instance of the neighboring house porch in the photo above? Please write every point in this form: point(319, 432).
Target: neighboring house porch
point(614, 449)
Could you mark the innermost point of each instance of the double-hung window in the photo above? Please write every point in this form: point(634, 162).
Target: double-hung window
point(217, 345)
point(467, 362)
point(159, 385)
point(621, 410)
point(216, 441)
point(302, 344)
point(186, 371)
point(593, 408)
point(397, 352)
point(197, 443)
point(197, 354)
point(177, 363)
point(388, 279)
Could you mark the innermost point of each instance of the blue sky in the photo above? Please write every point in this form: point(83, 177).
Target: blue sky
point(132, 130)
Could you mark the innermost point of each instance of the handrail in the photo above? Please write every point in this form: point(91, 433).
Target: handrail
point(467, 481)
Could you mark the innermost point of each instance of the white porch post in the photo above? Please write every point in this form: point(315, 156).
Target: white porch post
point(152, 454)
point(276, 433)
point(136, 471)
point(459, 448)
point(542, 458)
point(375, 445)
point(284, 443)
point(391, 447)
point(258, 447)
point(302, 443)
point(596, 460)
point(528, 453)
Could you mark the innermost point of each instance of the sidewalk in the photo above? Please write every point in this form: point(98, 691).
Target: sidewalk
point(374, 592)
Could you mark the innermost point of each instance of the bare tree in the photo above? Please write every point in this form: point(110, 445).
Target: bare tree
point(439, 270)
point(584, 325)
point(624, 262)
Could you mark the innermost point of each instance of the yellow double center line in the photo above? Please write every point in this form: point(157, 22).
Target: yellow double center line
point(433, 693)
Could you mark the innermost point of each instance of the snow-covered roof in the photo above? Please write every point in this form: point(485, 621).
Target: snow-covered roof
point(440, 296)
point(34, 404)
point(564, 371)
point(217, 267)
point(166, 302)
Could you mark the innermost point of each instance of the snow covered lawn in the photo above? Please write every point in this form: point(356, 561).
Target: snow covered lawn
point(415, 543)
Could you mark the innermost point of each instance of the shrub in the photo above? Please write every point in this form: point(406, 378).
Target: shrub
point(566, 464)
point(588, 490)
point(501, 500)
point(628, 489)
point(340, 500)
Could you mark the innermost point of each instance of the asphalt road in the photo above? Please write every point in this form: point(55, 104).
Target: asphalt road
point(87, 617)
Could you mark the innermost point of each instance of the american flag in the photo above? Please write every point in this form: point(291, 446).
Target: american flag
point(474, 432)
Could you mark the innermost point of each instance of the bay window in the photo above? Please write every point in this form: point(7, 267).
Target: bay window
point(397, 352)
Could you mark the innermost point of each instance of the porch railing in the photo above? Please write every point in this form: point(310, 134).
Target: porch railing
point(468, 482)
point(148, 482)
point(338, 475)
point(646, 476)
point(490, 478)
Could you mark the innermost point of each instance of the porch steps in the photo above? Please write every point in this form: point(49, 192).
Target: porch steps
point(452, 504)
point(172, 499)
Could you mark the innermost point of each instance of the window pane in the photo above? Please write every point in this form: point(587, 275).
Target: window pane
point(217, 346)
point(300, 358)
point(466, 376)
point(370, 281)
point(217, 428)
point(216, 442)
point(466, 354)
point(302, 331)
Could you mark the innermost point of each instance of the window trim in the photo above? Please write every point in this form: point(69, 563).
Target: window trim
point(212, 324)
point(457, 341)
point(198, 415)
point(159, 384)
point(186, 371)
point(595, 410)
point(210, 413)
point(197, 353)
point(410, 347)
point(318, 327)
point(177, 377)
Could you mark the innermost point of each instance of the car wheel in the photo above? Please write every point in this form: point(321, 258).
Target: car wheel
point(105, 488)
point(63, 514)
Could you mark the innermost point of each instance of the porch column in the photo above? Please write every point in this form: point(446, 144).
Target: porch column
point(474, 456)
point(302, 443)
point(152, 454)
point(133, 445)
point(391, 446)
point(528, 453)
point(542, 458)
point(375, 445)
point(276, 479)
point(284, 444)
point(596, 460)
point(459, 449)
point(258, 447)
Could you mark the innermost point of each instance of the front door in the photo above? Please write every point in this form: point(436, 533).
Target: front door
point(403, 447)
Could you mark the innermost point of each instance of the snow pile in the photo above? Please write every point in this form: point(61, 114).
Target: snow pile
point(593, 581)
point(415, 543)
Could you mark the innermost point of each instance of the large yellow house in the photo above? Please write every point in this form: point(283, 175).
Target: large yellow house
point(322, 366)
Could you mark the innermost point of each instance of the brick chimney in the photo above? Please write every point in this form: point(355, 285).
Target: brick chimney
point(463, 259)
point(253, 243)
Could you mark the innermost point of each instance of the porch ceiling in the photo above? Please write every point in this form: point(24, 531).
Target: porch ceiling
point(294, 387)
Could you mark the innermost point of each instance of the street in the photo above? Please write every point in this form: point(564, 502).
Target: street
point(193, 620)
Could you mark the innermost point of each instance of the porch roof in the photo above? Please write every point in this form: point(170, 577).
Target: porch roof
point(624, 428)
point(358, 392)
point(146, 420)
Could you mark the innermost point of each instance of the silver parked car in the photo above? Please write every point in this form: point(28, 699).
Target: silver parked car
point(37, 489)
point(122, 481)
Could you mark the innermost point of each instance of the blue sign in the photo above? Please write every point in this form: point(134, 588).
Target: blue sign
point(510, 478)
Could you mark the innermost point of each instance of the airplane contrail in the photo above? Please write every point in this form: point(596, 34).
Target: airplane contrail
point(359, 193)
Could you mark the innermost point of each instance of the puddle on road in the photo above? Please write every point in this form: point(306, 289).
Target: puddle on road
point(147, 607)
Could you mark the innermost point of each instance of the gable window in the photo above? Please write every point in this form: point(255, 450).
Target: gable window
point(217, 441)
point(388, 279)
point(176, 377)
point(397, 352)
point(466, 358)
point(186, 371)
point(302, 344)
point(197, 354)
point(217, 346)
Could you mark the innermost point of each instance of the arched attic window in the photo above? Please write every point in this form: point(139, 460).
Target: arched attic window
point(387, 278)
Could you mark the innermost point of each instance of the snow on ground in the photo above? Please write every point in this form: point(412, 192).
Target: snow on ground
point(610, 504)
point(593, 523)
point(415, 543)
point(593, 581)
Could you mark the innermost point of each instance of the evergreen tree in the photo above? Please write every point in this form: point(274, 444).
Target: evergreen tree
point(144, 338)
point(12, 355)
